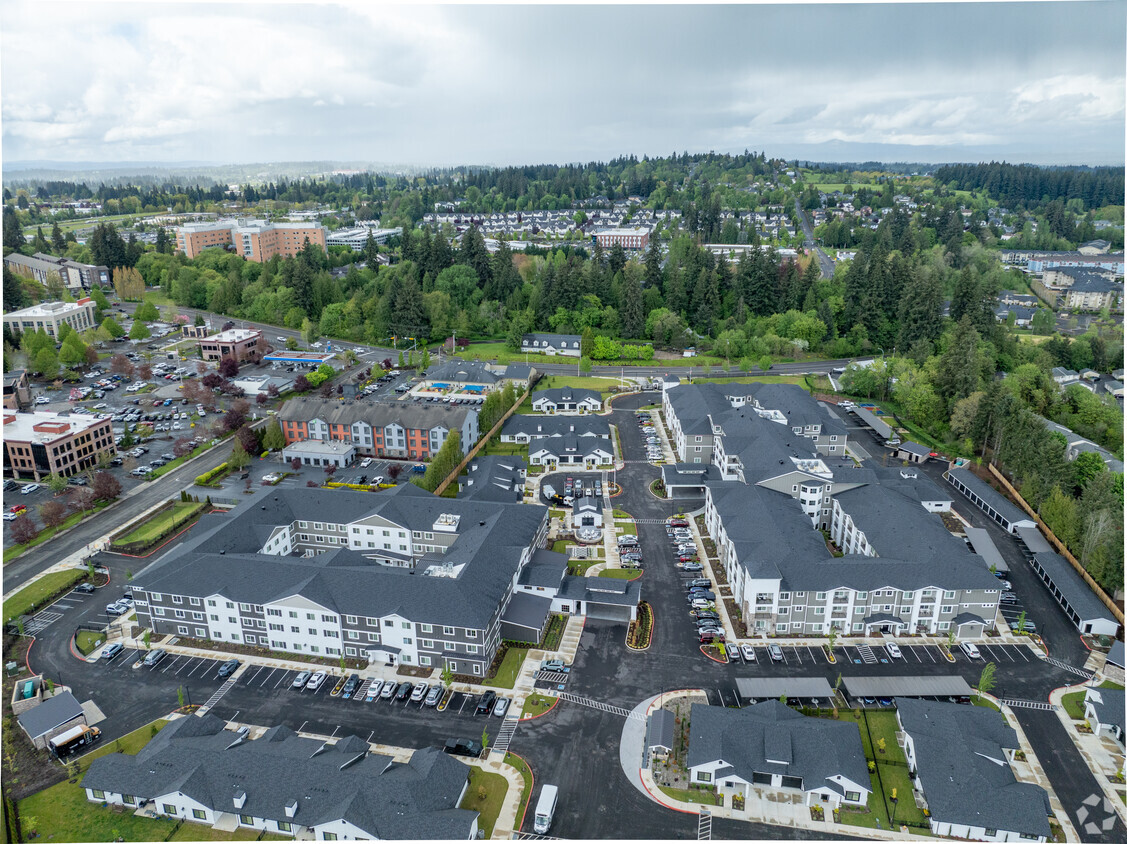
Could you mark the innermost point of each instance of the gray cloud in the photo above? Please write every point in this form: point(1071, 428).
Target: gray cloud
point(510, 84)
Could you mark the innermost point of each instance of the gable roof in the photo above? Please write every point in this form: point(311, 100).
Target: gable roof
point(376, 414)
point(567, 394)
point(329, 782)
point(770, 737)
point(956, 750)
point(462, 372)
point(51, 713)
point(538, 427)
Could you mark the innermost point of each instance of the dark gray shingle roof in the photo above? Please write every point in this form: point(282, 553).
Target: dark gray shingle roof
point(51, 713)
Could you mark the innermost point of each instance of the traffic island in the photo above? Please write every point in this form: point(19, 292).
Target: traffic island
point(640, 632)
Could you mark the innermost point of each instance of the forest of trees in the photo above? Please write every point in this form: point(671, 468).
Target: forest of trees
point(1026, 186)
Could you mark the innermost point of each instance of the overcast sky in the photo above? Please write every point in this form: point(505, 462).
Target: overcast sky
point(256, 82)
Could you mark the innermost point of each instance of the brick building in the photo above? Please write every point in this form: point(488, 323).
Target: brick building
point(237, 343)
point(634, 238)
point(255, 240)
point(40, 444)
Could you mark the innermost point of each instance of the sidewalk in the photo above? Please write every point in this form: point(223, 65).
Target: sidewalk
point(1104, 756)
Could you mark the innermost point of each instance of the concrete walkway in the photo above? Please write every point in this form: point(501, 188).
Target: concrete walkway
point(1104, 755)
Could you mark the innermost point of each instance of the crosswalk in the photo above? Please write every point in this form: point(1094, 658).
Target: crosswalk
point(504, 736)
point(41, 622)
point(551, 676)
point(704, 824)
point(867, 654)
point(215, 698)
point(598, 704)
point(1026, 704)
point(1087, 675)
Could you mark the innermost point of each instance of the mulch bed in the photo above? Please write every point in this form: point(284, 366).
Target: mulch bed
point(34, 769)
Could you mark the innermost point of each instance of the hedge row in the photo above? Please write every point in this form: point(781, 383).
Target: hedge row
point(207, 477)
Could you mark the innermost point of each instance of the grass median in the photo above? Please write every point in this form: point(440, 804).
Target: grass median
point(31, 598)
point(157, 525)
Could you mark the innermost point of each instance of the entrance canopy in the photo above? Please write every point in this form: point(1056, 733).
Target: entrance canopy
point(776, 687)
point(930, 685)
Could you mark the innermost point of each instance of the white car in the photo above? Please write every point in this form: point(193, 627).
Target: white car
point(970, 649)
point(10, 517)
point(42, 400)
point(894, 651)
point(315, 681)
point(366, 462)
point(24, 490)
point(748, 653)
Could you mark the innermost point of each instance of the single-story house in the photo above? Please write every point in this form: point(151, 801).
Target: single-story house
point(588, 511)
point(659, 733)
point(55, 715)
point(569, 450)
point(1103, 708)
point(771, 746)
point(524, 427)
point(567, 400)
point(552, 344)
point(961, 756)
point(913, 452)
point(605, 598)
point(196, 770)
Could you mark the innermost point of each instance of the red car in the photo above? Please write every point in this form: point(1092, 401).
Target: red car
point(19, 508)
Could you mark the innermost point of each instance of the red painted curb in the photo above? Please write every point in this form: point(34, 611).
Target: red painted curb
point(555, 703)
point(714, 659)
point(661, 802)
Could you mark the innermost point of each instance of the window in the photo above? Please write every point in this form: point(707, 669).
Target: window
point(821, 596)
point(855, 797)
point(98, 794)
point(158, 610)
point(201, 633)
point(293, 613)
point(176, 599)
point(449, 631)
point(350, 619)
point(704, 776)
point(477, 669)
point(182, 630)
point(284, 826)
point(350, 651)
point(199, 814)
point(328, 836)
point(425, 628)
point(169, 809)
point(156, 596)
point(246, 820)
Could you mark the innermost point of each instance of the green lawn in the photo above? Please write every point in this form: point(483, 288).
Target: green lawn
point(867, 818)
point(553, 382)
point(62, 812)
point(510, 668)
point(690, 795)
point(179, 461)
point(985, 703)
point(154, 527)
point(526, 775)
point(485, 794)
point(881, 725)
point(579, 567)
point(189, 831)
point(1107, 684)
point(561, 545)
point(87, 640)
point(1073, 704)
point(621, 574)
point(45, 534)
point(534, 704)
point(31, 597)
point(800, 380)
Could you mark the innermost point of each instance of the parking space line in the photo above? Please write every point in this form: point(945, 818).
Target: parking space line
point(912, 650)
point(267, 677)
point(1021, 652)
point(194, 668)
point(280, 679)
point(798, 656)
point(250, 679)
point(172, 662)
point(191, 659)
point(302, 727)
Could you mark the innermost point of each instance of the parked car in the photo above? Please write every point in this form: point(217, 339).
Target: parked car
point(112, 650)
point(403, 692)
point(229, 667)
point(350, 685)
point(501, 707)
point(88, 588)
point(748, 653)
point(485, 703)
point(155, 656)
point(893, 651)
point(116, 609)
point(776, 653)
point(463, 747)
point(315, 681)
point(971, 650)
point(300, 680)
point(29, 488)
point(388, 691)
point(419, 693)
point(374, 689)
point(434, 696)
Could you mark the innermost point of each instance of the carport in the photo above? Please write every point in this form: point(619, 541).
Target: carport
point(930, 685)
point(772, 688)
point(878, 425)
point(984, 546)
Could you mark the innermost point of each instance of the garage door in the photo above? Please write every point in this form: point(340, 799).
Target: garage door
point(608, 612)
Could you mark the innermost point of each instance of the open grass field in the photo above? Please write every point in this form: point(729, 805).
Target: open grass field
point(800, 380)
point(621, 574)
point(31, 597)
point(552, 382)
point(152, 528)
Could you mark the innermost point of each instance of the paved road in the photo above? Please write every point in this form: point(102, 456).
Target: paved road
point(824, 261)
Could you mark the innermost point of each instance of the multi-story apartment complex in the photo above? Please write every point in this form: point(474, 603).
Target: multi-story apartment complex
point(399, 577)
point(894, 567)
point(75, 277)
point(50, 315)
point(237, 343)
point(40, 444)
point(357, 238)
point(631, 238)
point(255, 240)
point(382, 429)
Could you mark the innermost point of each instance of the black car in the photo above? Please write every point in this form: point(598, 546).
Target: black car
point(350, 685)
point(84, 587)
point(117, 461)
point(463, 747)
point(403, 692)
point(485, 705)
point(715, 616)
point(229, 667)
point(10, 485)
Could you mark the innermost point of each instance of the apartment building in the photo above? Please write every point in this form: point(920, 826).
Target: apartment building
point(237, 343)
point(75, 276)
point(629, 238)
point(401, 577)
point(380, 429)
point(196, 770)
point(255, 240)
point(40, 444)
point(48, 316)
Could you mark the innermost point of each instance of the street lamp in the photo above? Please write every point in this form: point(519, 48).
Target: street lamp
point(895, 800)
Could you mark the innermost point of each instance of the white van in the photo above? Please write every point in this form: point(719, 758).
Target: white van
point(545, 808)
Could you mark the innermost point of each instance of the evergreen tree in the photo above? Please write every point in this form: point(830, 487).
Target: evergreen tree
point(921, 309)
point(371, 251)
point(958, 371)
point(13, 234)
point(162, 240)
point(631, 308)
point(474, 255)
point(58, 242)
point(40, 244)
point(274, 439)
point(706, 300)
point(409, 317)
point(14, 295)
point(653, 276)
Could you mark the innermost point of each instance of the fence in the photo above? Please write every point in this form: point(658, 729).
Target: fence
point(1060, 546)
point(473, 452)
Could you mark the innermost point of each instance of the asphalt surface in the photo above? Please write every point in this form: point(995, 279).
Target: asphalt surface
point(575, 746)
point(825, 263)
